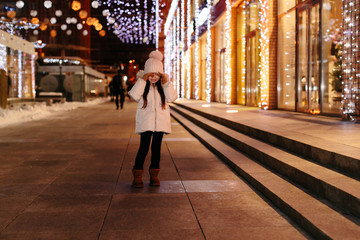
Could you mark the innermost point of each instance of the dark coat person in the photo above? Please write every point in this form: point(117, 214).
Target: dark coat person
point(117, 85)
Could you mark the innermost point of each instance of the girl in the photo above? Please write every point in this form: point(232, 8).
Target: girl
point(153, 92)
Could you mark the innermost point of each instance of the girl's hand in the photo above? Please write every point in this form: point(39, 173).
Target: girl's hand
point(164, 78)
point(146, 76)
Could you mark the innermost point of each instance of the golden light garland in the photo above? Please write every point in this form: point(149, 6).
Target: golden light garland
point(208, 53)
point(351, 60)
point(188, 44)
point(228, 52)
point(264, 55)
point(182, 45)
point(76, 5)
point(196, 59)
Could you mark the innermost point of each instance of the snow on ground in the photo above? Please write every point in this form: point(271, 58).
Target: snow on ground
point(27, 112)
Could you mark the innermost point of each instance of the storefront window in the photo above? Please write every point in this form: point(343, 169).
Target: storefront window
point(27, 76)
point(252, 55)
point(286, 58)
point(285, 5)
point(332, 47)
point(13, 70)
point(202, 83)
point(220, 61)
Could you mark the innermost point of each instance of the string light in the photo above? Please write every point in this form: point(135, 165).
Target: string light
point(208, 53)
point(135, 22)
point(33, 75)
point(13, 26)
point(39, 44)
point(196, 59)
point(243, 79)
point(189, 27)
point(3, 57)
point(178, 50)
point(228, 52)
point(182, 44)
point(351, 60)
point(20, 74)
point(264, 54)
point(157, 24)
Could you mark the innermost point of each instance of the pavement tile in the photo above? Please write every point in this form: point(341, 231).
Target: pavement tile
point(57, 222)
point(72, 189)
point(163, 234)
point(253, 233)
point(155, 219)
point(53, 235)
point(76, 203)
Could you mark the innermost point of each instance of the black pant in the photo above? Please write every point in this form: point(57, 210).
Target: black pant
point(122, 98)
point(144, 148)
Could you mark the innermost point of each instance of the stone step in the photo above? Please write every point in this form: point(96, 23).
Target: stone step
point(317, 218)
point(340, 190)
point(340, 157)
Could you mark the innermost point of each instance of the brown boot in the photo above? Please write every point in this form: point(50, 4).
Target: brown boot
point(154, 180)
point(137, 183)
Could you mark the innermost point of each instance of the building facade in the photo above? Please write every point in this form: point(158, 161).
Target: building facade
point(294, 55)
point(17, 59)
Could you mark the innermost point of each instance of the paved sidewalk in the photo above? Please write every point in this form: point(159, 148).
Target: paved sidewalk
point(69, 177)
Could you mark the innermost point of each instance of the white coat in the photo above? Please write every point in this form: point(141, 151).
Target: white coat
point(153, 117)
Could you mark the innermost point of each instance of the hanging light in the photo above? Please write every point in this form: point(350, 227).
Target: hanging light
point(63, 27)
point(83, 14)
point(95, 4)
point(76, 5)
point(79, 26)
point(11, 14)
point(48, 4)
point(85, 32)
point(33, 13)
point(111, 20)
point(20, 4)
point(68, 20)
point(35, 20)
point(53, 20)
point(102, 33)
point(36, 32)
point(58, 13)
point(53, 33)
point(106, 12)
point(89, 21)
point(73, 20)
point(98, 27)
point(68, 32)
point(43, 27)
point(95, 21)
point(39, 44)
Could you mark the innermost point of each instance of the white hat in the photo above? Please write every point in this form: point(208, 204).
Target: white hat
point(154, 63)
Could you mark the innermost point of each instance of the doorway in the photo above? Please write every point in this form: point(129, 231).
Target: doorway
point(252, 85)
point(309, 59)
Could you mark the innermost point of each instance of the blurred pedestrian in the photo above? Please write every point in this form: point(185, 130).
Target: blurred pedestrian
point(117, 84)
point(153, 92)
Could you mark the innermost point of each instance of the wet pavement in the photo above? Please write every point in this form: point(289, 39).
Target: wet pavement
point(69, 177)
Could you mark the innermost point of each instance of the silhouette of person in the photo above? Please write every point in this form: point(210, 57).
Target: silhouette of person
point(117, 84)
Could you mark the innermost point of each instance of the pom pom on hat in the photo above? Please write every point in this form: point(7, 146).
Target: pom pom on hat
point(157, 55)
point(154, 63)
